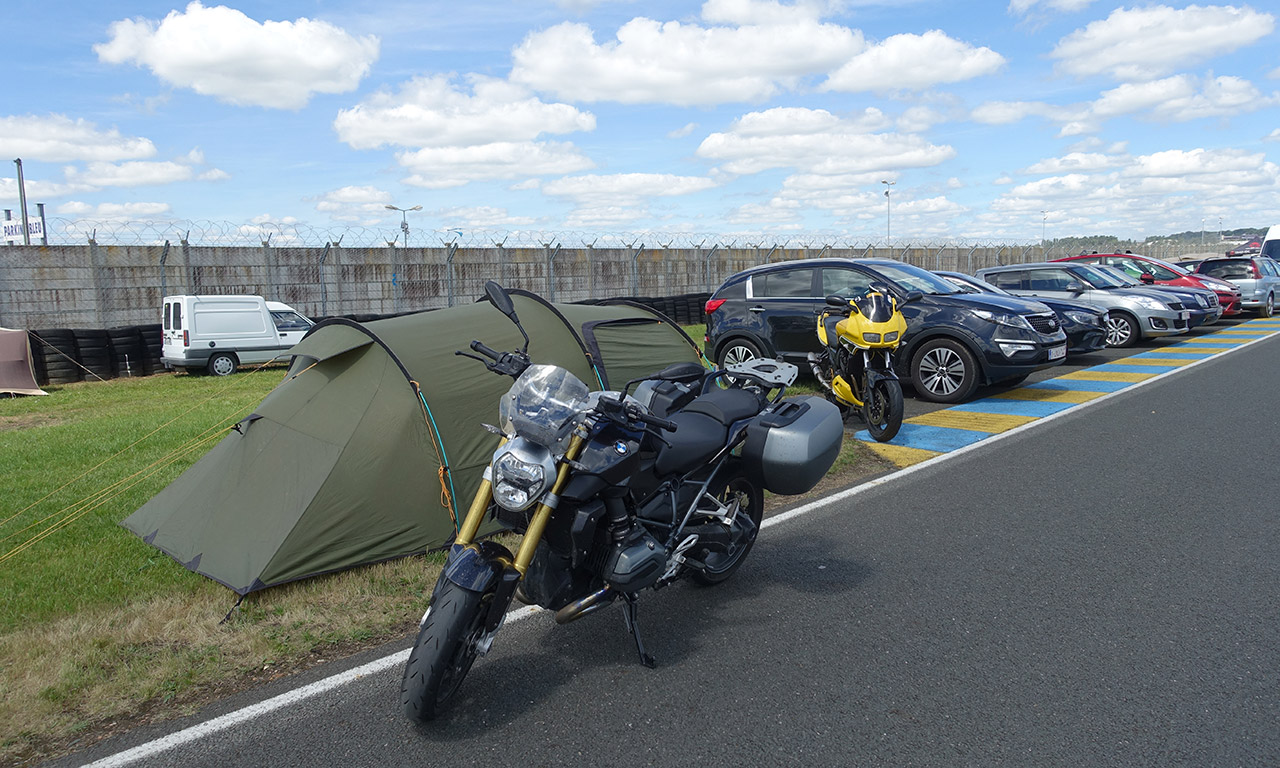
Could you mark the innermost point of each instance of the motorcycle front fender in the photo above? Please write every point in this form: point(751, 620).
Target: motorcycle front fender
point(879, 374)
point(478, 567)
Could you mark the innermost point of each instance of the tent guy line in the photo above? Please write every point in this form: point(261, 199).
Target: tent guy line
point(231, 719)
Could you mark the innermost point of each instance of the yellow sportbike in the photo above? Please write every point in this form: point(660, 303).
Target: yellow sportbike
point(855, 365)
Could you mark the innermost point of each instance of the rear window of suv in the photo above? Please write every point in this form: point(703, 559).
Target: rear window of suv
point(783, 284)
point(1228, 269)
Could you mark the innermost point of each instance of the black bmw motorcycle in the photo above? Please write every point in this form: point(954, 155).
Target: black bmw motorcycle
point(614, 493)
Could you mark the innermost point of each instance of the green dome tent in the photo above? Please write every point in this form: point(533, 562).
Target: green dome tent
point(373, 442)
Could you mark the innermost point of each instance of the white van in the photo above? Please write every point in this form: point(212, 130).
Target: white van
point(1271, 244)
point(220, 333)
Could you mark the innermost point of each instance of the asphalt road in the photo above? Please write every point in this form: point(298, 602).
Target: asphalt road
point(1101, 589)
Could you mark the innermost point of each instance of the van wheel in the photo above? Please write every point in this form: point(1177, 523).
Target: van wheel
point(222, 364)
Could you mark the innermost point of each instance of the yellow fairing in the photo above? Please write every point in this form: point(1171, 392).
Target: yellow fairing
point(843, 391)
point(856, 328)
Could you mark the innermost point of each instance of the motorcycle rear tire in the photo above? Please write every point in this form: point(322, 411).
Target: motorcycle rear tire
point(883, 409)
point(443, 653)
point(720, 566)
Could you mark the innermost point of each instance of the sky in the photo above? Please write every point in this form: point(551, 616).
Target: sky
point(742, 118)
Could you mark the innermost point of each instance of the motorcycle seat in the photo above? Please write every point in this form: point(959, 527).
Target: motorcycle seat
point(702, 428)
point(833, 336)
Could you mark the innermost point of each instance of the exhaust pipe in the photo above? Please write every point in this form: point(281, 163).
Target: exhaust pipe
point(816, 367)
point(587, 605)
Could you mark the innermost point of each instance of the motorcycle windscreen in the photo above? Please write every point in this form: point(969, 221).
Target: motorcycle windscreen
point(876, 307)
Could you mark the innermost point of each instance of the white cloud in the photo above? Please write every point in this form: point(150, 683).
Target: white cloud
point(760, 12)
point(444, 167)
point(815, 141)
point(919, 119)
point(484, 217)
point(680, 133)
point(1181, 164)
point(354, 203)
point(625, 189)
point(38, 190)
point(1182, 97)
point(1021, 7)
point(1273, 136)
point(1006, 112)
point(685, 64)
point(58, 138)
point(1146, 43)
point(619, 199)
point(432, 112)
point(139, 173)
point(1073, 162)
point(913, 62)
point(223, 53)
point(113, 211)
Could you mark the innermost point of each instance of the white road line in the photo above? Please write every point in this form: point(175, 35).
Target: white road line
point(252, 711)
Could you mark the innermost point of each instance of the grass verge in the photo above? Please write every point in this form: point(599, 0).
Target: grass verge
point(99, 631)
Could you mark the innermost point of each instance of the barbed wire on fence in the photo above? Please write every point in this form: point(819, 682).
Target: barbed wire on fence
point(284, 234)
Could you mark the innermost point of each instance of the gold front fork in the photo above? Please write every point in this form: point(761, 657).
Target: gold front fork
point(484, 495)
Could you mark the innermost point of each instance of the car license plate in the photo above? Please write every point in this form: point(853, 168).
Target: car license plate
point(1057, 353)
point(1186, 315)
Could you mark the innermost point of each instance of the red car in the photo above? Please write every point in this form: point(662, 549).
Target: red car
point(1155, 271)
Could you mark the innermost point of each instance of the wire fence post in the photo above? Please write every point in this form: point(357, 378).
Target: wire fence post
point(324, 283)
point(551, 268)
point(164, 277)
point(635, 271)
point(707, 265)
point(451, 250)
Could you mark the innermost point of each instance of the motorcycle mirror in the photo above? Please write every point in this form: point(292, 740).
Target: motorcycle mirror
point(498, 297)
point(913, 296)
point(836, 301)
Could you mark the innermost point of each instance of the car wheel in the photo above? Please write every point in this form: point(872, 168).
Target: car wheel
point(944, 371)
point(222, 364)
point(1122, 330)
point(738, 351)
point(1268, 308)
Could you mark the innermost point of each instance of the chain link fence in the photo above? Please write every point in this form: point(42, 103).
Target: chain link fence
point(93, 276)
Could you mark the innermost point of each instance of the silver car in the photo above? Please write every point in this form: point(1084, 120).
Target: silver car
point(1257, 277)
point(1133, 314)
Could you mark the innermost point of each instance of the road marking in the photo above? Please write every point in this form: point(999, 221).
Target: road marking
point(253, 711)
point(1091, 374)
point(1051, 395)
point(979, 421)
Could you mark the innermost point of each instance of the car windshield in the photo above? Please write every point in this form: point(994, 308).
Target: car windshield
point(974, 285)
point(1095, 277)
point(1120, 275)
point(1174, 268)
point(910, 278)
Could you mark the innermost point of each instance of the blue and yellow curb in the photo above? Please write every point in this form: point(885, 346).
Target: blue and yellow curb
point(923, 437)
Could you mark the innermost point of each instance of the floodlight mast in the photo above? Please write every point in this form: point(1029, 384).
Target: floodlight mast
point(404, 220)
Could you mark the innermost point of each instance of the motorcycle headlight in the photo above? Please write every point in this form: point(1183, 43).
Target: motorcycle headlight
point(890, 336)
point(871, 338)
point(520, 476)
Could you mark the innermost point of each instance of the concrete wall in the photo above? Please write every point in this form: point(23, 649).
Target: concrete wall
point(103, 286)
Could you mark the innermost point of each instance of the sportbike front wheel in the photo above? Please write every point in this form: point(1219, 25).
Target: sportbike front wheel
point(443, 652)
point(719, 566)
point(883, 409)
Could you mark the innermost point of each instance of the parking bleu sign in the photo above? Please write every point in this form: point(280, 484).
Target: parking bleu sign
point(13, 229)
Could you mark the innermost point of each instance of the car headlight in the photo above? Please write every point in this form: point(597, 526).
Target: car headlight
point(520, 476)
point(1084, 318)
point(1146, 302)
point(1000, 318)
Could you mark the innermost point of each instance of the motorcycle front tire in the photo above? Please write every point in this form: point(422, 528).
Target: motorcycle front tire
point(882, 409)
point(720, 566)
point(443, 652)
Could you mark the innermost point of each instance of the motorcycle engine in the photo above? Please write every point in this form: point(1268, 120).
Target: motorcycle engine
point(634, 562)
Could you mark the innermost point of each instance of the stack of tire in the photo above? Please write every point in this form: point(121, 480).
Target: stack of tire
point(58, 356)
point(128, 351)
point(94, 345)
point(152, 343)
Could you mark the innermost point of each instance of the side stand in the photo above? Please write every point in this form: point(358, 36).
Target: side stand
point(633, 626)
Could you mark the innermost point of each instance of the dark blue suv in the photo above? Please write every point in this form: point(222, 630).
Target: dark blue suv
point(954, 341)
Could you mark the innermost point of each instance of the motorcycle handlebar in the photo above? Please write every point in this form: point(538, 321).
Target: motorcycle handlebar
point(477, 346)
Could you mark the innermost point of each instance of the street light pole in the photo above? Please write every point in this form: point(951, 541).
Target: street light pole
point(404, 220)
point(888, 215)
point(1044, 217)
point(1201, 235)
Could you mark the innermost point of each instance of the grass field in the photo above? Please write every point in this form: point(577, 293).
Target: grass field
point(97, 627)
